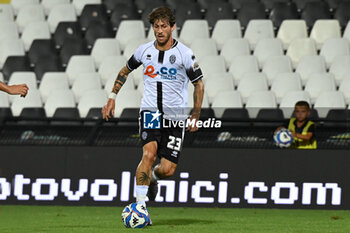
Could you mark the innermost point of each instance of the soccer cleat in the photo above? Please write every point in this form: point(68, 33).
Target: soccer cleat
point(152, 190)
point(149, 222)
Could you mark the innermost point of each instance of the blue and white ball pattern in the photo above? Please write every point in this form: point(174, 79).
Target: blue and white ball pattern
point(135, 216)
point(283, 138)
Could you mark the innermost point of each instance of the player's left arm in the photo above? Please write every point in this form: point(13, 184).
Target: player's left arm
point(198, 94)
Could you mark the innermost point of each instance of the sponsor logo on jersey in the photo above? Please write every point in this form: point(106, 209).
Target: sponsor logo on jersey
point(164, 72)
point(148, 57)
point(151, 120)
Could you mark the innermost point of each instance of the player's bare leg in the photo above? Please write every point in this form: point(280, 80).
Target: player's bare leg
point(144, 171)
point(162, 170)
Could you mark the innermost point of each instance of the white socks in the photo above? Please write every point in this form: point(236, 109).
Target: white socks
point(141, 193)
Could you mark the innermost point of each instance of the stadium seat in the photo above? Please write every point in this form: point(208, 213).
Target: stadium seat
point(299, 48)
point(337, 118)
point(47, 64)
point(190, 89)
point(323, 30)
point(272, 114)
point(72, 47)
point(35, 30)
point(66, 116)
point(234, 47)
point(33, 113)
point(266, 48)
point(344, 87)
point(59, 99)
point(79, 64)
point(226, 99)
point(283, 11)
point(92, 13)
point(61, 13)
point(234, 114)
point(258, 100)
point(285, 82)
point(250, 11)
point(80, 4)
point(123, 11)
point(6, 13)
point(258, 29)
point(333, 48)
point(203, 47)
point(1, 77)
point(250, 75)
point(15, 63)
point(218, 11)
point(314, 11)
point(212, 64)
point(310, 64)
point(290, 98)
point(52, 81)
point(110, 67)
point(342, 13)
point(290, 30)
point(85, 82)
point(250, 85)
point(243, 64)
point(10, 47)
point(5, 112)
point(194, 29)
point(94, 113)
point(8, 30)
point(129, 30)
point(301, 4)
point(29, 14)
point(174, 4)
point(269, 4)
point(188, 11)
point(41, 48)
point(217, 76)
point(329, 100)
point(224, 30)
point(18, 4)
point(237, 4)
point(142, 5)
point(66, 30)
point(49, 4)
point(132, 46)
point(91, 99)
point(104, 47)
point(207, 4)
point(340, 67)
point(97, 30)
point(276, 65)
point(217, 85)
point(127, 99)
point(318, 83)
point(4, 101)
point(32, 100)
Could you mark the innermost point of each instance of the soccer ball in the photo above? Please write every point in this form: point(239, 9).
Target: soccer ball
point(283, 138)
point(135, 216)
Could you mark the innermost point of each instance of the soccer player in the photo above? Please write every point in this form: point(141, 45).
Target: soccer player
point(302, 129)
point(21, 89)
point(168, 66)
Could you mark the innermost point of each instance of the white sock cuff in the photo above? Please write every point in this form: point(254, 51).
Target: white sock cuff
point(141, 189)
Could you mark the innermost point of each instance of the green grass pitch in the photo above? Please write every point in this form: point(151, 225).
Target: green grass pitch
point(27, 219)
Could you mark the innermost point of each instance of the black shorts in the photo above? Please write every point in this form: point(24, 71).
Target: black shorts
point(169, 138)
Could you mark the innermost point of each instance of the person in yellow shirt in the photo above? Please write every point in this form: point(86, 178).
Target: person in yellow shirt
point(302, 129)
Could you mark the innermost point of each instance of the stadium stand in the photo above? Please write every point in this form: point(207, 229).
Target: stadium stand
point(299, 48)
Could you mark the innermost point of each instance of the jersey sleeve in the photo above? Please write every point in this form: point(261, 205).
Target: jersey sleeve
point(135, 60)
point(193, 70)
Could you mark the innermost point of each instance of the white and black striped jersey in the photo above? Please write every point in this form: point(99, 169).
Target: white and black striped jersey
point(166, 76)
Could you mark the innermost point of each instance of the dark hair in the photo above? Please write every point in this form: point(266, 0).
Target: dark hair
point(162, 13)
point(303, 103)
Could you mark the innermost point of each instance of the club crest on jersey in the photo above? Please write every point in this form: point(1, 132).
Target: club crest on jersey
point(164, 72)
point(172, 59)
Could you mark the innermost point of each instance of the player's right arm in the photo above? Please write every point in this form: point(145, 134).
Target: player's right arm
point(108, 109)
point(21, 89)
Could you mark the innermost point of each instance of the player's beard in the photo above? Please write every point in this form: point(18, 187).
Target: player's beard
point(167, 38)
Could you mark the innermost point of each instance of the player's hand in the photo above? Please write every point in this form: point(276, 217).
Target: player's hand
point(193, 127)
point(21, 89)
point(108, 109)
